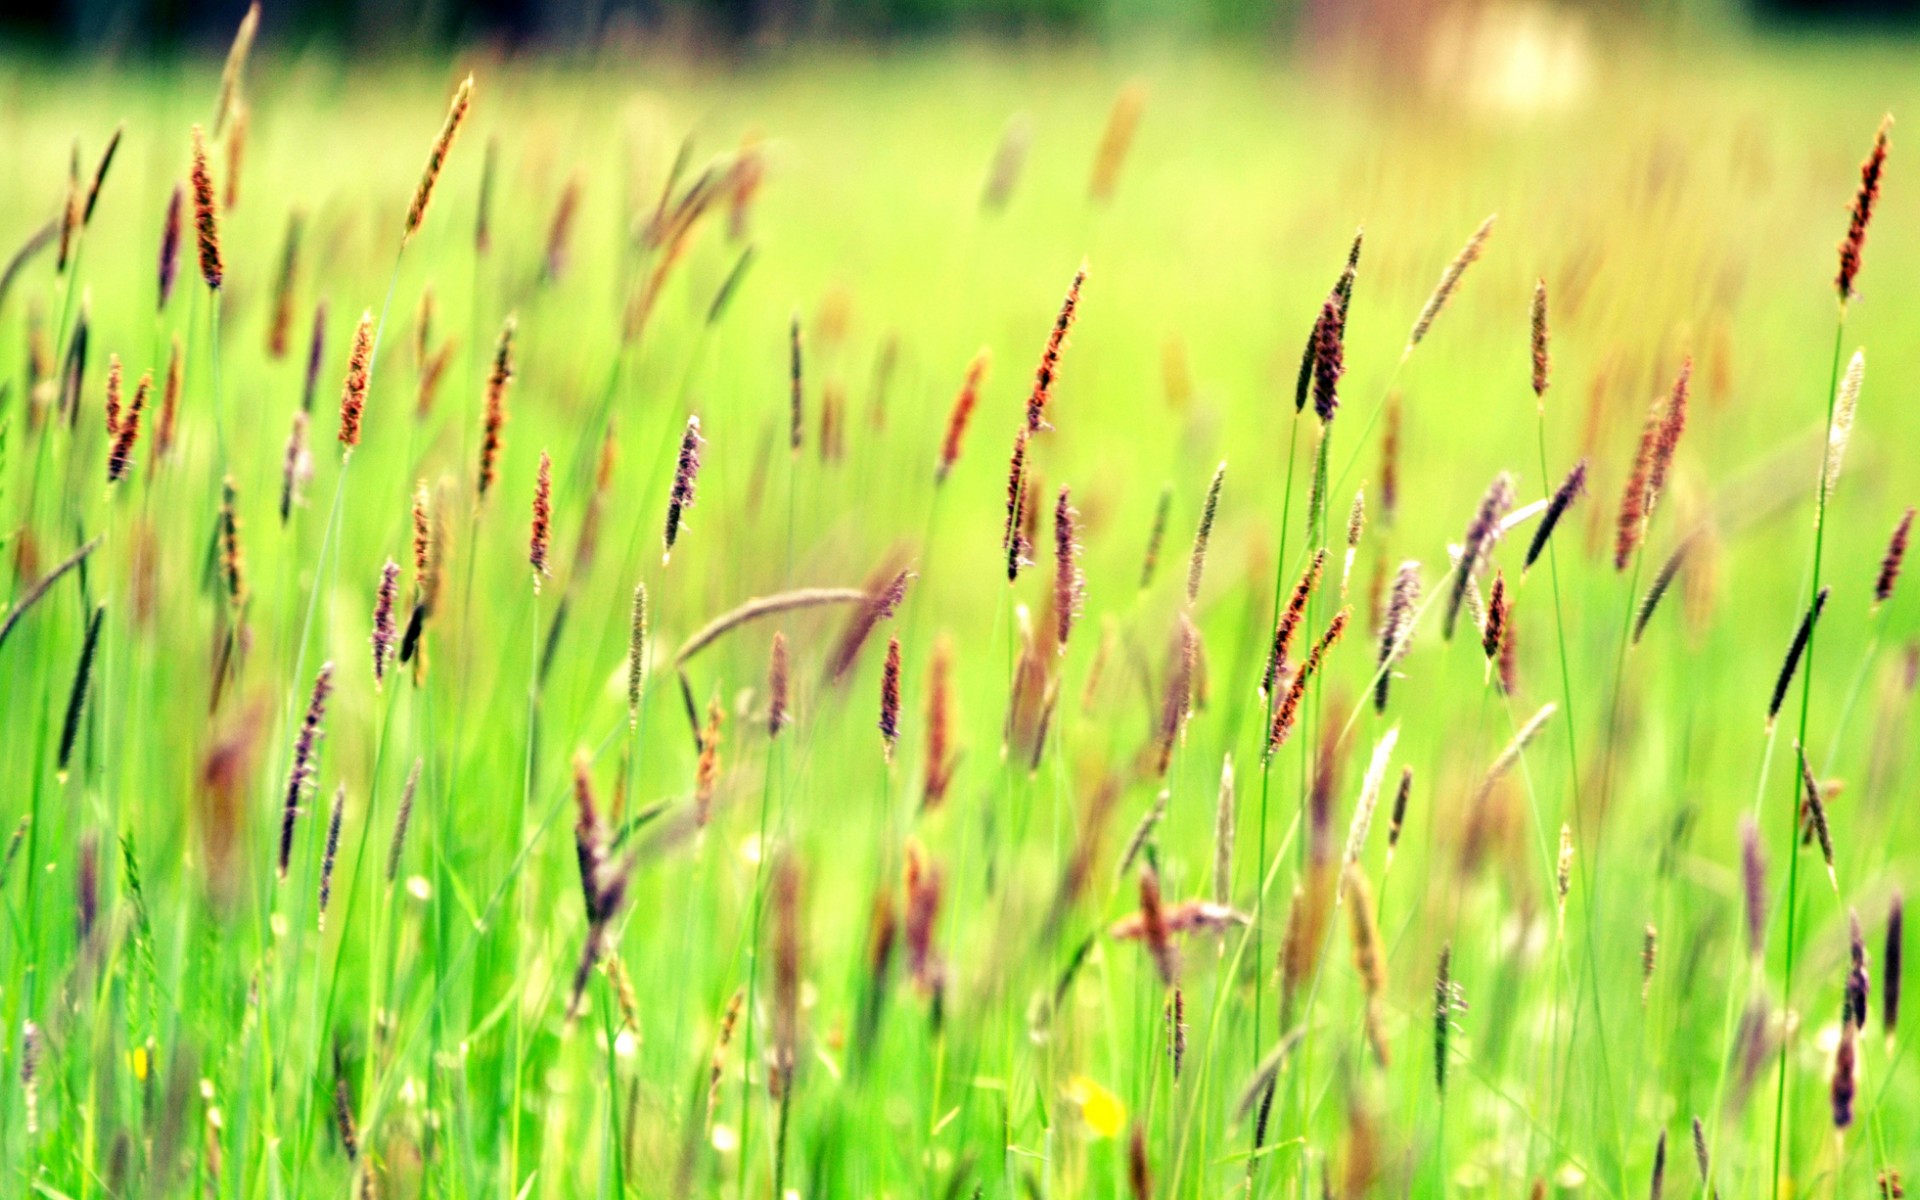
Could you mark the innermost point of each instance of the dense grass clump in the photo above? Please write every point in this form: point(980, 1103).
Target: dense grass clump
point(700, 718)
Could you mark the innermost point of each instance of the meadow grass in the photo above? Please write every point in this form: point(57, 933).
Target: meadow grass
point(725, 919)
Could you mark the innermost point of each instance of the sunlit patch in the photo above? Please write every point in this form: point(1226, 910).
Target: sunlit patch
point(1102, 1111)
point(1512, 58)
point(726, 1139)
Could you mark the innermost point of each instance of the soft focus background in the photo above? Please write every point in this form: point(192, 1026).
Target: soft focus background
point(1677, 174)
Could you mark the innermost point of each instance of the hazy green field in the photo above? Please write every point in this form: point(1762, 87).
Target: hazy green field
point(179, 1022)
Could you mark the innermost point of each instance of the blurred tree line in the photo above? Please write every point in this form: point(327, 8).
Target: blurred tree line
point(164, 26)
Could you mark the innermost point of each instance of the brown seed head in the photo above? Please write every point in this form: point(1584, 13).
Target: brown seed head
point(437, 157)
point(1048, 372)
point(1861, 212)
point(353, 396)
point(778, 685)
point(206, 219)
point(121, 456)
point(1541, 363)
point(1890, 564)
point(542, 530)
point(1069, 583)
point(963, 406)
point(890, 697)
point(496, 416)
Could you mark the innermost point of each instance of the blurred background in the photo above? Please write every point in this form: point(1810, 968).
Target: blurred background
point(163, 26)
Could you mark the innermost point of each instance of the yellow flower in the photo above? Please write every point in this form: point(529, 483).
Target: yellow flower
point(1103, 1112)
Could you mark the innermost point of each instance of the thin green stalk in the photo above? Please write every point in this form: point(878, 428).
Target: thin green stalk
point(1806, 704)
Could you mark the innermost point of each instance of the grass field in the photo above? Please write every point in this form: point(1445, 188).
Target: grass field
point(1061, 969)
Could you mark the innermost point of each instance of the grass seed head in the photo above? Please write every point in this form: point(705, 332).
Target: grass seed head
point(206, 217)
point(1860, 214)
point(437, 158)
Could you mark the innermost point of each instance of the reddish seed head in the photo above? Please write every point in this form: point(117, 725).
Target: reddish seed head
point(890, 697)
point(1048, 372)
point(939, 724)
point(1861, 211)
point(1290, 619)
point(1012, 537)
point(113, 394)
point(778, 686)
point(542, 521)
point(1153, 927)
point(121, 456)
point(962, 413)
point(353, 397)
point(206, 220)
point(923, 908)
point(1896, 554)
point(437, 156)
point(1494, 631)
